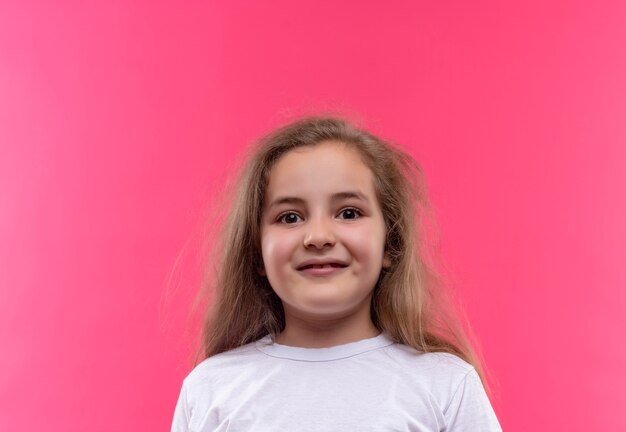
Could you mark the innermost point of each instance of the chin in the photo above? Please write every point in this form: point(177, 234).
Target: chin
point(327, 306)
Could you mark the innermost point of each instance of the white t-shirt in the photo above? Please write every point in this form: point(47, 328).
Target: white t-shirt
point(370, 385)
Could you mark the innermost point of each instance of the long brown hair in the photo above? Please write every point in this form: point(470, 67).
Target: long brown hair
point(410, 302)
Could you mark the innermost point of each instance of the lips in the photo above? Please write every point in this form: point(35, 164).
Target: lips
point(321, 264)
point(321, 269)
point(314, 266)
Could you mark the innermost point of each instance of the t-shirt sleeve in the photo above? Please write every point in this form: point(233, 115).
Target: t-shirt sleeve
point(469, 408)
point(180, 422)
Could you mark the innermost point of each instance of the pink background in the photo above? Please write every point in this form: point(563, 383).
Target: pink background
point(118, 121)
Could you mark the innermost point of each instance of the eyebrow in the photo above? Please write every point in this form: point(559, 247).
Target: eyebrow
point(339, 196)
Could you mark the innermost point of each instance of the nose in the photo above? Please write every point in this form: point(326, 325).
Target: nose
point(319, 234)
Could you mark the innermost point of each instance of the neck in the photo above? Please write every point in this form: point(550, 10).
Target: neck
point(322, 332)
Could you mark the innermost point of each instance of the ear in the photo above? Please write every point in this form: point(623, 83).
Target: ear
point(386, 261)
point(260, 266)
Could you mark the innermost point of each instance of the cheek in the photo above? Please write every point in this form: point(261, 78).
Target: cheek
point(367, 245)
point(276, 250)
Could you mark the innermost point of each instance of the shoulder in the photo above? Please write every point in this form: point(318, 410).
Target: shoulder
point(453, 384)
point(212, 381)
point(438, 373)
point(430, 363)
point(220, 367)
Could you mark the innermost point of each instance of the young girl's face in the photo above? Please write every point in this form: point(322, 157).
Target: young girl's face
point(323, 232)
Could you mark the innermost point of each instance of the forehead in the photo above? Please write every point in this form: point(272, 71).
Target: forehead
point(324, 168)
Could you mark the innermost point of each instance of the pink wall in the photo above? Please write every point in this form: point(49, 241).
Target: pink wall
point(117, 121)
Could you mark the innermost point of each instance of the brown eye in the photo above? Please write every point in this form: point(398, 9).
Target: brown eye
point(289, 218)
point(349, 214)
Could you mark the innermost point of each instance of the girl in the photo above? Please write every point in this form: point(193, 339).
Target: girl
point(328, 315)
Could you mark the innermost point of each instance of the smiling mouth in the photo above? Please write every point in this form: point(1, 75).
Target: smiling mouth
point(321, 266)
point(316, 270)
